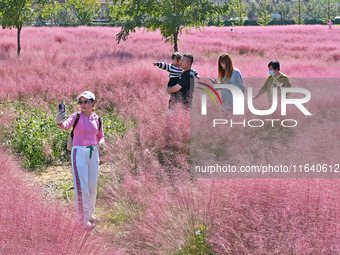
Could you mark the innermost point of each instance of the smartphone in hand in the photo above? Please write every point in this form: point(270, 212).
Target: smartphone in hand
point(61, 108)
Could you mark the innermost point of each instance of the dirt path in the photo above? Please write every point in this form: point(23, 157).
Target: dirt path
point(54, 180)
point(56, 183)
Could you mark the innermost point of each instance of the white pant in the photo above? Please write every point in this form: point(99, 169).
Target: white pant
point(85, 175)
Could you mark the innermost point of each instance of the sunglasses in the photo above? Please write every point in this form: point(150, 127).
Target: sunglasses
point(84, 102)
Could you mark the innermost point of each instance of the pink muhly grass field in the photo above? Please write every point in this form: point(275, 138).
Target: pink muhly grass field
point(242, 216)
point(32, 225)
point(59, 61)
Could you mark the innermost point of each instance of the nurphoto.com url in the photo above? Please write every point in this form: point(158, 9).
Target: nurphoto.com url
point(269, 169)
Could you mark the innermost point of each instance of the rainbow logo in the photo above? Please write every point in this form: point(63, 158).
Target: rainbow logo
point(209, 93)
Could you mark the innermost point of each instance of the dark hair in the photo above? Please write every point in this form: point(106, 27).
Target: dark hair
point(94, 105)
point(176, 56)
point(275, 65)
point(225, 58)
point(91, 99)
point(189, 56)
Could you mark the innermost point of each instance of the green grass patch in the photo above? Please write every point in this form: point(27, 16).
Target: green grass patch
point(67, 192)
point(126, 211)
point(35, 136)
point(196, 243)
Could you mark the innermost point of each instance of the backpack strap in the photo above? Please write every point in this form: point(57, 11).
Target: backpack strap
point(100, 123)
point(75, 124)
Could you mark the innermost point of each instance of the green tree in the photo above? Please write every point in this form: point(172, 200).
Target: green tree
point(49, 11)
point(323, 10)
point(299, 10)
point(170, 16)
point(329, 8)
point(284, 9)
point(14, 14)
point(239, 9)
point(264, 11)
point(314, 9)
point(85, 10)
point(252, 10)
point(65, 15)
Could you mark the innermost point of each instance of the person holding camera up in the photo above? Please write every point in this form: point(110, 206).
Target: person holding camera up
point(88, 140)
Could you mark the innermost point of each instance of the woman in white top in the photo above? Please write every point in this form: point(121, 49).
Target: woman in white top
point(227, 74)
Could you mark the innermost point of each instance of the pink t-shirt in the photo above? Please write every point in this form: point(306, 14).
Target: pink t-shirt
point(86, 132)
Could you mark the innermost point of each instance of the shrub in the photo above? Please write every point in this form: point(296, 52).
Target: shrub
point(35, 135)
point(196, 243)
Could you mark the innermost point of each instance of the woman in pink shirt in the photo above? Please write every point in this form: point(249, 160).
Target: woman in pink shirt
point(87, 141)
point(329, 23)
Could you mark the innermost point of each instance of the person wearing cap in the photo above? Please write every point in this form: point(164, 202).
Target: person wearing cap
point(88, 140)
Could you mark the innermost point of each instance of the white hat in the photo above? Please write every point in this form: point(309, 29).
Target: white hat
point(87, 95)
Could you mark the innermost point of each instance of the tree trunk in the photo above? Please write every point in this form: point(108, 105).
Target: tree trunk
point(176, 32)
point(176, 41)
point(298, 19)
point(18, 39)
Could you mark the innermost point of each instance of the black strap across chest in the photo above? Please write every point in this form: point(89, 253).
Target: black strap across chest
point(77, 120)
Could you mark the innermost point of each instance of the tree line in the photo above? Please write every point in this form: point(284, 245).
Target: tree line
point(298, 11)
point(171, 17)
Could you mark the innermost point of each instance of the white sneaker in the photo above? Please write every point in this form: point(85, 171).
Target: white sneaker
point(88, 224)
point(93, 219)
